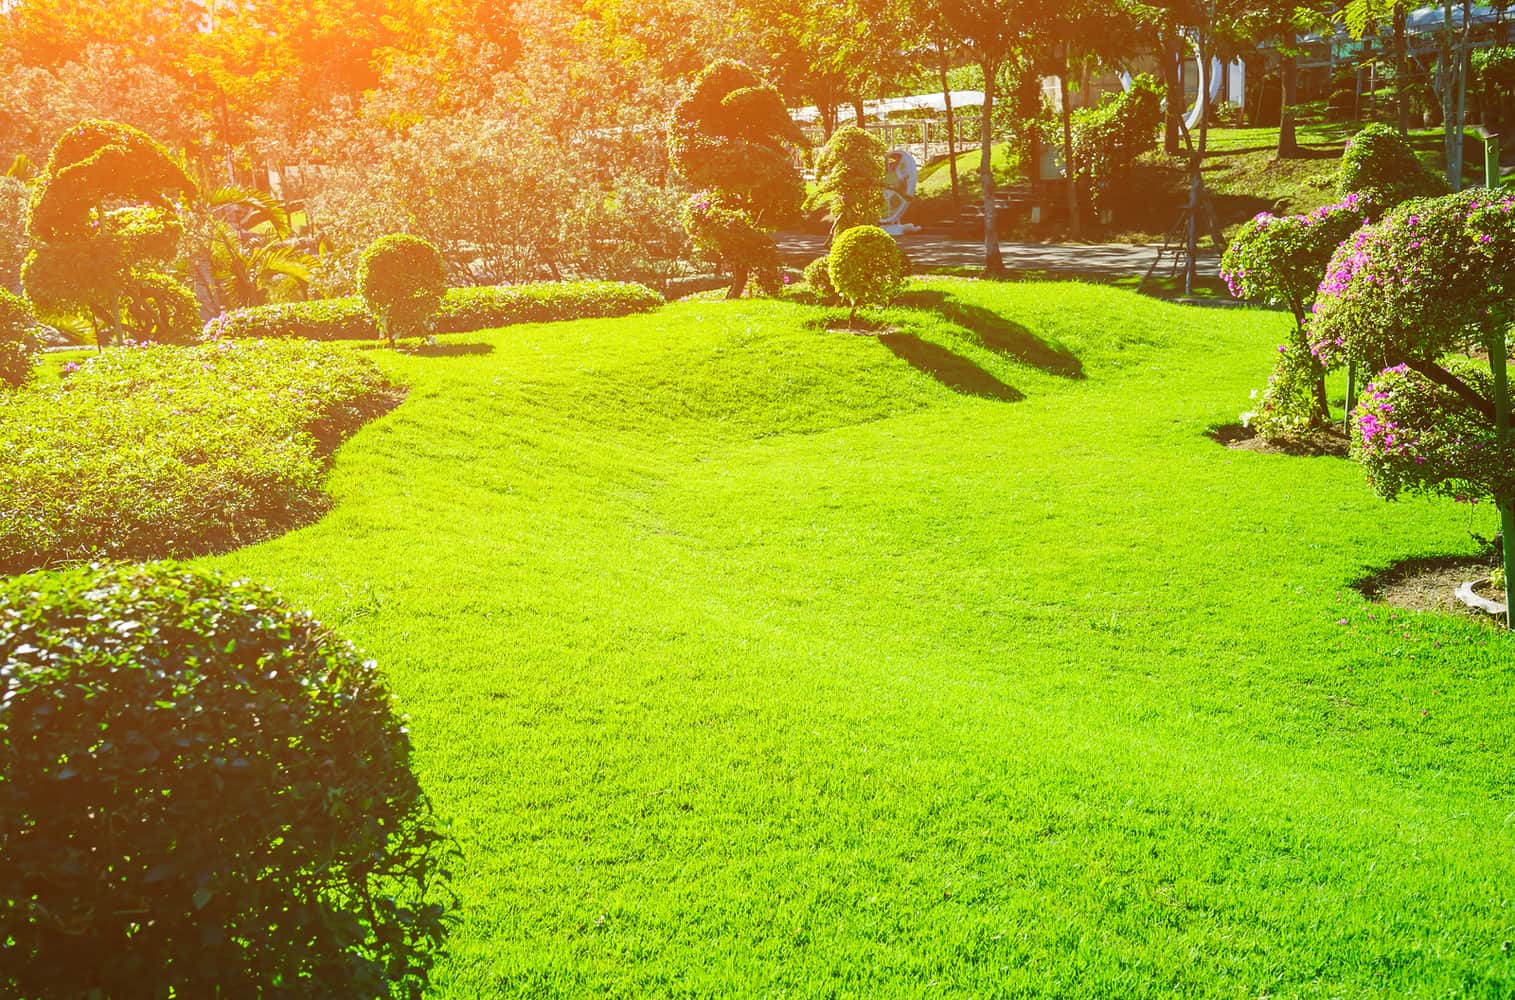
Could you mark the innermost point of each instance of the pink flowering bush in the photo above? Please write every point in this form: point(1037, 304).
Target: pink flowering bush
point(1426, 280)
point(1415, 436)
point(1281, 260)
point(1415, 296)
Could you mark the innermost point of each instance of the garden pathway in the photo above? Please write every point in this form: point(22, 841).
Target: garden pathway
point(931, 250)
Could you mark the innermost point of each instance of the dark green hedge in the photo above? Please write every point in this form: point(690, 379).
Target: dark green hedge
point(463, 310)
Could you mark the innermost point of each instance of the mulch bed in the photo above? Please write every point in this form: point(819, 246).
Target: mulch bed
point(1428, 584)
point(1314, 444)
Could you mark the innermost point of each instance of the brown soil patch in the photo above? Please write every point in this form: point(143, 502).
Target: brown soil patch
point(1313, 444)
point(1428, 584)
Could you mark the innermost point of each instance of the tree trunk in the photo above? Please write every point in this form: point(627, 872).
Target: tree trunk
point(1070, 173)
point(1173, 90)
point(1447, 84)
point(957, 205)
point(857, 110)
point(1401, 70)
point(738, 282)
point(994, 263)
point(1288, 139)
point(1498, 362)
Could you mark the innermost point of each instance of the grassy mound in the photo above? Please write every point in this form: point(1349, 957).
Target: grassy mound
point(169, 451)
point(753, 659)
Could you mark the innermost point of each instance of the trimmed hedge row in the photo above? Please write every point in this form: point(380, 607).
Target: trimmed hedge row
point(463, 310)
point(173, 451)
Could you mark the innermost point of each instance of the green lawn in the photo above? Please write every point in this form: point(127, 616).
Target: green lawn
point(751, 659)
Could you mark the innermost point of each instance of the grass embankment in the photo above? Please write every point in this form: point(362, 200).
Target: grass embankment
point(1242, 173)
point(756, 660)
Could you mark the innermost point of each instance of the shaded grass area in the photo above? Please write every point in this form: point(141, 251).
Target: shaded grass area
point(754, 660)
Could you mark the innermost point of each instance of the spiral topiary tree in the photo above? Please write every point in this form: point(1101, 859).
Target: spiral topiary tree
point(866, 268)
point(402, 279)
point(1283, 259)
point(206, 794)
point(1417, 296)
point(732, 138)
point(104, 226)
point(850, 178)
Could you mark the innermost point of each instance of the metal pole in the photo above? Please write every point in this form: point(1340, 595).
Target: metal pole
point(1346, 421)
point(1491, 160)
point(1498, 362)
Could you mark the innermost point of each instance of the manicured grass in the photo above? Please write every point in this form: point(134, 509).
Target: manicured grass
point(751, 659)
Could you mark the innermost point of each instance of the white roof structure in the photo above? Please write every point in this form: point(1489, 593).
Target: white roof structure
point(881, 109)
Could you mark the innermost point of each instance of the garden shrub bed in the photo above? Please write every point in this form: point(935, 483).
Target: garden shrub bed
point(463, 310)
point(162, 451)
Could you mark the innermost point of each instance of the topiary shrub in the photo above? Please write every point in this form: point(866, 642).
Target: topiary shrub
point(850, 178)
point(90, 250)
point(818, 278)
point(18, 351)
point(1412, 296)
point(402, 280)
point(159, 309)
point(733, 138)
point(1381, 168)
point(206, 793)
point(866, 268)
point(1283, 259)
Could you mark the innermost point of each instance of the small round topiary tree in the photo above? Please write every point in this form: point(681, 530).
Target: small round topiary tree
point(205, 793)
point(18, 351)
point(850, 178)
point(402, 279)
point(818, 279)
point(866, 268)
point(1283, 259)
point(1379, 166)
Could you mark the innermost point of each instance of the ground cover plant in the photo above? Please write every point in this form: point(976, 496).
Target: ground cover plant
point(462, 310)
point(206, 792)
point(751, 659)
point(160, 451)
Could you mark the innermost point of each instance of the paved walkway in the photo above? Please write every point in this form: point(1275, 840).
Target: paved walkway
point(928, 250)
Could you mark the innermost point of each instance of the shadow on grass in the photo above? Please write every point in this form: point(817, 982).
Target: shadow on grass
point(998, 334)
point(951, 370)
point(447, 350)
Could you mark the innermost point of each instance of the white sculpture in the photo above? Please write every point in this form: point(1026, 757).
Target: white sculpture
point(901, 174)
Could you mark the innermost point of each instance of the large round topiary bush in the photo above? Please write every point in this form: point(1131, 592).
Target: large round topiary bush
point(866, 267)
point(205, 793)
point(18, 351)
point(1380, 167)
point(402, 279)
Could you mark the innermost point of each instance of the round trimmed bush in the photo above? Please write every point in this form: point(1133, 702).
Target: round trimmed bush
point(818, 278)
point(402, 279)
point(206, 794)
point(18, 353)
point(1379, 165)
point(866, 267)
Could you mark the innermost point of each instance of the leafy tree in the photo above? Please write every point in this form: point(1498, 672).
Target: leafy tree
point(103, 218)
point(850, 178)
point(993, 33)
point(1408, 296)
point(1364, 16)
point(732, 137)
